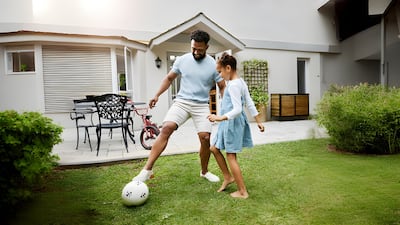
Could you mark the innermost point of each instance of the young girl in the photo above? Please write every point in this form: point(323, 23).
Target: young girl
point(234, 131)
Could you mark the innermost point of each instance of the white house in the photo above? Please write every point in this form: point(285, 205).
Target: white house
point(54, 51)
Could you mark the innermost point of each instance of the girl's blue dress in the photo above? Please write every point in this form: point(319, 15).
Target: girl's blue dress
point(233, 134)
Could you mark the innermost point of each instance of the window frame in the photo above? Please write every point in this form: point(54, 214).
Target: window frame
point(9, 63)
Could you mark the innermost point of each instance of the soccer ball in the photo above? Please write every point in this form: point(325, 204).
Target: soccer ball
point(134, 193)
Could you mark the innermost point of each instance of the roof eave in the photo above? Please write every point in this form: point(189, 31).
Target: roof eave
point(35, 36)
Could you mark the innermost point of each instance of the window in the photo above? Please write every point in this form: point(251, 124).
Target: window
point(20, 61)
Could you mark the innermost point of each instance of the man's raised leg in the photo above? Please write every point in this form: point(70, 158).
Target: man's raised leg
point(158, 147)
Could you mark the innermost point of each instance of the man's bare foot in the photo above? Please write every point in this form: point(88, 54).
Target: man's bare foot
point(237, 194)
point(225, 184)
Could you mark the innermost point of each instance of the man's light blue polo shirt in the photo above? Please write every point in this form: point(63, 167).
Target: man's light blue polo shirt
point(197, 77)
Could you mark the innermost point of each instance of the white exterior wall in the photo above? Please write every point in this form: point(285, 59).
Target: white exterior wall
point(286, 21)
point(297, 25)
point(22, 92)
point(282, 71)
point(283, 20)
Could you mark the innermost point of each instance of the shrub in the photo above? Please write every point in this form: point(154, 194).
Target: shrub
point(362, 118)
point(26, 142)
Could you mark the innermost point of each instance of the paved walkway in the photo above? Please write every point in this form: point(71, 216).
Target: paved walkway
point(184, 140)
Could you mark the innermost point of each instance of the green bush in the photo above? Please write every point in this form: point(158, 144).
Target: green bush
point(26, 142)
point(362, 118)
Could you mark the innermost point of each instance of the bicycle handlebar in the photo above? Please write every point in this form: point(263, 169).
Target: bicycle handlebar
point(141, 111)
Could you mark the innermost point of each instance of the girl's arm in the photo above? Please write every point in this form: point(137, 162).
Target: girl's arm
point(252, 108)
point(235, 94)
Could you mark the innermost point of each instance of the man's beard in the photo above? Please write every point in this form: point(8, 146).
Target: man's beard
point(199, 57)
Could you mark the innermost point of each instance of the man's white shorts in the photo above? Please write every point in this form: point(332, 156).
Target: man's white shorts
point(182, 110)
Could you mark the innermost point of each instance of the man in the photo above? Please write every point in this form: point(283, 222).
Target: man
point(198, 75)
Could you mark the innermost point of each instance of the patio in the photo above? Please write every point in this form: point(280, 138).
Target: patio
point(184, 140)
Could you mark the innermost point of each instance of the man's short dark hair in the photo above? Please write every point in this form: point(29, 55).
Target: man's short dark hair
point(200, 36)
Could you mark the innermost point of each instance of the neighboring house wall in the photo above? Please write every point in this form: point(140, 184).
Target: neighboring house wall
point(342, 70)
point(392, 53)
point(348, 68)
point(359, 60)
point(393, 57)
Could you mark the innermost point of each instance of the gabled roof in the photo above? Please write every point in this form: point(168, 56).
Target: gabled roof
point(200, 21)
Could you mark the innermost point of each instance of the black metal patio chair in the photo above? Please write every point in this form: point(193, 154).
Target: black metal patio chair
point(111, 114)
point(82, 108)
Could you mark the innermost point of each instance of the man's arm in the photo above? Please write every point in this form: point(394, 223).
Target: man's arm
point(165, 83)
point(221, 86)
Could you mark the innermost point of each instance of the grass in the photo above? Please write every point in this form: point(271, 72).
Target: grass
point(289, 183)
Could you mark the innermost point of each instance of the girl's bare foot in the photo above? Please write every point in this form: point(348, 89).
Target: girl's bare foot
point(225, 184)
point(237, 194)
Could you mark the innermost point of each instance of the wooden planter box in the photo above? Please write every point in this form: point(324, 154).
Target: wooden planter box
point(289, 105)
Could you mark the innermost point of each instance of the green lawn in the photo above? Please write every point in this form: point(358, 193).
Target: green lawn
point(289, 183)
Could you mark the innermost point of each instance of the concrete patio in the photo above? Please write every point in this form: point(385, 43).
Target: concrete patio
point(184, 140)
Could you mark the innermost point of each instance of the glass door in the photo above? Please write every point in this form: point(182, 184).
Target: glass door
point(124, 72)
point(171, 57)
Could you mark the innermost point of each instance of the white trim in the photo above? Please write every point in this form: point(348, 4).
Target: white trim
point(289, 46)
point(71, 39)
point(200, 21)
point(128, 71)
point(39, 76)
point(114, 70)
point(19, 49)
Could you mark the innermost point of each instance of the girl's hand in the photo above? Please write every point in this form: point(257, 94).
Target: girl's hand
point(261, 127)
point(212, 117)
point(215, 118)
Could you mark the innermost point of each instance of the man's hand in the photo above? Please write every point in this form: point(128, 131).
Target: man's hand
point(153, 102)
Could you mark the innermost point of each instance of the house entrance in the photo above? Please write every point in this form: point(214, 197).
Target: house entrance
point(171, 57)
point(214, 97)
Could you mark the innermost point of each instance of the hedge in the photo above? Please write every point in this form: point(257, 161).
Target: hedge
point(363, 118)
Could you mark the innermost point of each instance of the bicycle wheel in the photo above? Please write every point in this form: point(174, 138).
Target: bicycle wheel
point(148, 136)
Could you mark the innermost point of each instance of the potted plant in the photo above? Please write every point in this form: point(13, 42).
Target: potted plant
point(24, 67)
point(260, 98)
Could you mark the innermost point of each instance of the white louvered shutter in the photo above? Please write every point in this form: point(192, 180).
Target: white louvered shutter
point(72, 72)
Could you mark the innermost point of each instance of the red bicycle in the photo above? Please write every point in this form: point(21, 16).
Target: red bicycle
point(150, 130)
